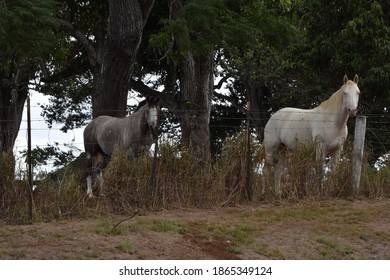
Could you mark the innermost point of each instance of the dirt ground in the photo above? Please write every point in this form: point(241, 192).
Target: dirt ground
point(335, 229)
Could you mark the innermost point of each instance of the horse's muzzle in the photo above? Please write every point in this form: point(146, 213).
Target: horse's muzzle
point(352, 112)
point(153, 125)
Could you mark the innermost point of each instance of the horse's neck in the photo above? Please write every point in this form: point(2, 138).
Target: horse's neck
point(334, 112)
point(143, 120)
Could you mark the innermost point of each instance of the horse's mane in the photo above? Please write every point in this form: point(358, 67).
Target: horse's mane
point(153, 101)
point(336, 99)
point(140, 105)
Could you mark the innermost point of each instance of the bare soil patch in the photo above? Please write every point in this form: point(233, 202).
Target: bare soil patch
point(335, 229)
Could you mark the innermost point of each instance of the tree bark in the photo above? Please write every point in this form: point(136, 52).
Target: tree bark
point(196, 87)
point(127, 20)
point(257, 95)
point(13, 94)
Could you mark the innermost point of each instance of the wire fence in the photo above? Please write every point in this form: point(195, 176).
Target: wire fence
point(181, 182)
point(43, 136)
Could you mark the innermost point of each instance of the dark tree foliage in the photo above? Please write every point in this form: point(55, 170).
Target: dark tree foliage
point(348, 37)
point(272, 53)
point(25, 37)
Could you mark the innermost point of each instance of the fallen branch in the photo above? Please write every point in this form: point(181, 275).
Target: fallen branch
point(136, 211)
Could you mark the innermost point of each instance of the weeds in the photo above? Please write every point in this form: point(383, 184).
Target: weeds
point(265, 250)
point(179, 181)
point(332, 249)
point(167, 226)
point(126, 247)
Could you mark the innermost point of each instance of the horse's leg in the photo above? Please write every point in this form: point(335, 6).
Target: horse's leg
point(270, 160)
point(94, 171)
point(336, 156)
point(279, 169)
point(101, 183)
point(320, 160)
point(99, 164)
point(268, 152)
point(89, 162)
point(266, 172)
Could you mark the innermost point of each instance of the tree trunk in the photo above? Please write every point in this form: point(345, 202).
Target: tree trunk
point(196, 88)
point(13, 94)
point(127, 20)
point(258, 99)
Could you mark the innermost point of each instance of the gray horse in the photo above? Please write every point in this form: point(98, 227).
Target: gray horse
point(132, 134)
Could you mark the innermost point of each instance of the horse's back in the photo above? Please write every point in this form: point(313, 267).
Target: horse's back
point(108, 132)
point(101, 132)
point(93, 128)
point(289, 126)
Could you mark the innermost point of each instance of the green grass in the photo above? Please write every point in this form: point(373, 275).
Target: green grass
point(105, 228)
point(126, 247)
point(17, 253)
point(265, 250)
point(332, 249)
point(161, 225)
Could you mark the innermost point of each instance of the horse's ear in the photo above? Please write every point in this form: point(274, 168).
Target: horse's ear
point(345, 79)
point(157, 98)
point(356, 79)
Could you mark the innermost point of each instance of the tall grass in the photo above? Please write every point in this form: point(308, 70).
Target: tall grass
point(177, 180)
point(13, 194)
point(180, 181)
point(305, 177)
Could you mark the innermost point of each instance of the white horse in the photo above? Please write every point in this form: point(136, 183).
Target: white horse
point(325, 125)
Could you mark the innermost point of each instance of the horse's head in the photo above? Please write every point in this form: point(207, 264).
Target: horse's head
point(351, 95)
point(153, 111)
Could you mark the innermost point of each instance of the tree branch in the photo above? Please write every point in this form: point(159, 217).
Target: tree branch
point(166, 100)
point(43, 67)
point(93, 58)
point(231, 100)
point(76, 67)
point(221, 82)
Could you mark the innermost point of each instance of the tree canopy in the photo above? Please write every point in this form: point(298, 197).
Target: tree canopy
point(272, 53)
point(25, 40)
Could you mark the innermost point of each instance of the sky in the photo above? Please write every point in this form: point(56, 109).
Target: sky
point(41, 134)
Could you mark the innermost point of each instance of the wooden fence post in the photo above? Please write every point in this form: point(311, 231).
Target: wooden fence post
point(357, 154)
point(29, 161)
point(248, 186)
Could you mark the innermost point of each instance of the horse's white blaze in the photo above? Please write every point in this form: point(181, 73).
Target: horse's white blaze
point(351, 99)
point(324, 125)
point(153, 117)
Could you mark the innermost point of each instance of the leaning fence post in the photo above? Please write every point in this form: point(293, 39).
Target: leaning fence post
point(357, 154)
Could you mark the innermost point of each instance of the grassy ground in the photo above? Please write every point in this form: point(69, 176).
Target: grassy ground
point(328, 229)
point(193, 210)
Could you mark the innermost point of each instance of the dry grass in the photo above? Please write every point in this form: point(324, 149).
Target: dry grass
point(13, 194)
point(176, 182)
point(179, 181)
point(304, 177)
